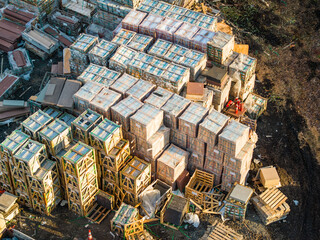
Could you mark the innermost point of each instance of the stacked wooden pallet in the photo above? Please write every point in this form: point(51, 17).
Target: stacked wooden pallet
point(80, 172)
point(222, 232)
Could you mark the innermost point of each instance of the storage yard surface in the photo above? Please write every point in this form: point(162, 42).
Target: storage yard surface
point(279, 130)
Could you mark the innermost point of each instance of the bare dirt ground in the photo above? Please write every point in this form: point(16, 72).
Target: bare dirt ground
point(284, 37)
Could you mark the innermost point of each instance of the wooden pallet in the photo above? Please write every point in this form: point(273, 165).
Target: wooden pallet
point(97, 213)
point(200, 184)
point(273, 197)
point(222, 232)
point(212, 202)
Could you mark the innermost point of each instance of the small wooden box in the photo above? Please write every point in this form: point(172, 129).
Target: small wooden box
point(269, 177)
point(174, 210)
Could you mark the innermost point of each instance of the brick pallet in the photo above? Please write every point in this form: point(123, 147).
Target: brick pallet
point(123, 84)
point(133, 20)
point(123, 37)
point(149, 25)
point(140, 42)
point(175, 77)
point(166, 29)
point(139, 64)
point(120, 60)
point(102, 52)
point(141, 90)
point(158, 97)
point(184, 35)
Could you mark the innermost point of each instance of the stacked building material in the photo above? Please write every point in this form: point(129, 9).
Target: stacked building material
point(220, 47)
point(33, 124)
point(67, 118)
point(140, 42)
point(103, 102)
point(133, 20)
point(56, 136)
point(175, 53)
point(175, 77)
point(141, 89)
point(102, 52)
point(196, 61)
point(84, 124)
point(126, 214)
point(191, 16)
point(65, 22)
point(52, 112)
point(120, 60)
point(237, 201)
point(124, 36)
point(200, 40)
point(159, 97)
point(11, 33)
point(85, 94)
point(16, 15)
point(64, 39)
point(161, 9)
point(106, 19)
point(79, 50)
point(134, 178)
point(154, 71)
point(8, 84)
point(166, 29)
point(112, 7)
point(81, 9)
point(139, 64)
point(207, 22)
point(172, 162)
point(40, 43)
point(176, 12)
point(40, 8)
point(147, 5)
point(184, 35)
point(80, 163)
point(160, 48)
point(255, 105)
point(123, 84)
point(9, 147)
point(197, 93)
point(149, 25)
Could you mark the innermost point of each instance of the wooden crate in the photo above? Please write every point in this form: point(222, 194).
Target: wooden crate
point(196, 161)
point(125, 215)
point(146, 121)
point(84, 124)
point(67, 118)
point(33, 124)
point(220, 47)
point(236, 202)
point(80, 171)
point(56, 136)
point(200, 183)
point(171, 164)
point(189, 121)
point(178, 138)
point(122, 111)
point(135, 176)
point(134, 230)
point(222, 232)
point(174, 210)
point(165, 193)
point(105, 136)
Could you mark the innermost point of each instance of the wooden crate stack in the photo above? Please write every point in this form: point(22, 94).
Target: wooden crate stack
point(126, 214)
point(84, 124)
point(134, 178)
point(234, 143)
point(80, 171)
point(79, 52)
point(189, 124)
point(9, 147)
point(26, 162)
point(33, 124)
point(102, 52)
point(236, 202)
point(45, 188)
point(171, 163)
point(209, 130)
point(52, 112)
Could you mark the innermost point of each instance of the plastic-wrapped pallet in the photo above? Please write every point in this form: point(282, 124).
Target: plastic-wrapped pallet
point(178, 138)
point(207, 22)
point(113, 8)
point(133, 20)
point(161, 9)
point(171, 164)
point(91, 72)
point(108, 77)
point(86, 93)
point(233, 137)
point(123, 84)
point(191, 17)
point(104, 100)
point(106, 19)
point(183, 36)
point(123, 37)
point(173, 15)
point(220, 47)
point(176, 53)
point(79, 50)
point(102, 52)
point(176, 12)
point(242, 161)
point(200, 40)
point(149, 25)
point(122, 111)
point(158, 97)
point(155, 70)
point(160, 48)
point(173, 109)
point(220, 95)
point(147, 5)
point(196, 61)
point(166, 29)
point(146, 121)
point(131, 3)
point(120, 60)
point(189, 121)
point(139, 64)
point(140, 42)
point(141, 89)
point(175, 77)
point(243, 67)
point(213, 163)
point(230, 177)
point(211, 127)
